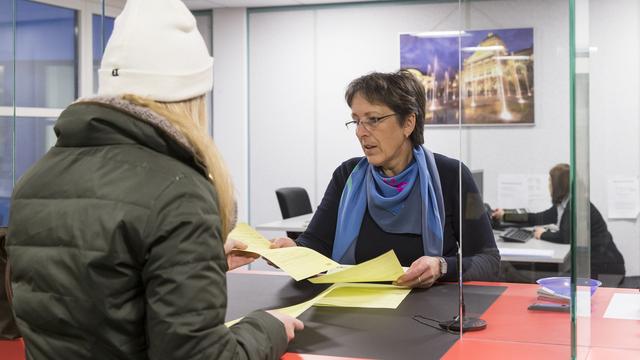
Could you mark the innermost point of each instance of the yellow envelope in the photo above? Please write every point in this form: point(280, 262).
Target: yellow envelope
point(385, 267)
point(382, 296)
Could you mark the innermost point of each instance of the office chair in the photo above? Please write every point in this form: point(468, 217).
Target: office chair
point(293, 201)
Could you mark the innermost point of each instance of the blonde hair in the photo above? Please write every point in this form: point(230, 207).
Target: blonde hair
point(190, 120)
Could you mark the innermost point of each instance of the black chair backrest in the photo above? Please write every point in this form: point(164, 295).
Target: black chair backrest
point(293, 201)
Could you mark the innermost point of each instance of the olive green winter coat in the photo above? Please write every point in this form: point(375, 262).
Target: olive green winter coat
point(115, 248)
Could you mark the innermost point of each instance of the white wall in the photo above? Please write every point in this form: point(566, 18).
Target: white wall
point(300, 61)
point(230, 97)
point(281, 108)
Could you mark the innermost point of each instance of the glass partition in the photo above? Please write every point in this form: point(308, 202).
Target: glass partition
point(515, 129)
point(555, 159)
point(605, 177)
point(497, 76)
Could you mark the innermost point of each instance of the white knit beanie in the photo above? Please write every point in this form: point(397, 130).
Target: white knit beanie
point(156, 51)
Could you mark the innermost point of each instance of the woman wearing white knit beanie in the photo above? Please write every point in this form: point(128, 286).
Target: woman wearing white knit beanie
point(116, 237)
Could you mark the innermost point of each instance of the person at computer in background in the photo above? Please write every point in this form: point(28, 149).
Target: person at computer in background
point(400, 195)
point(116, 236)
point(605, 257)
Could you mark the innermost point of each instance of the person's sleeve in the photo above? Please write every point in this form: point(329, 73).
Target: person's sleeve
point(515, 216)
point(321, 232)
point(560, 236)
point(549, 216)
point(185, 284)
point(553, 236)
point(480, 256)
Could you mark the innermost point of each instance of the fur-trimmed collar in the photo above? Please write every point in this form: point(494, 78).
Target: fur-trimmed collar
point(143, 113)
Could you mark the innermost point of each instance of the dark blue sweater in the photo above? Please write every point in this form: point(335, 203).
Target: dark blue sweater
point(481, 260)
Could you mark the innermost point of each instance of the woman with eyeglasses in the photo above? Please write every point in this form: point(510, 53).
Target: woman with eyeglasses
point(400, 195)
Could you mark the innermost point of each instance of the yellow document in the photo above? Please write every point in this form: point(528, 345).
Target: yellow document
point(297, 309)
point(385, 267)
point(249, 236)
point(299, 262)
point(381, 296)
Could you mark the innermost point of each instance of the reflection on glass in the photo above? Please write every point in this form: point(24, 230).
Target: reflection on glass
point(46, 64)
point(102, 29)
point(515, 77)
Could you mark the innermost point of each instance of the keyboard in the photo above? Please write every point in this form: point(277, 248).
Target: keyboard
point(517, 235)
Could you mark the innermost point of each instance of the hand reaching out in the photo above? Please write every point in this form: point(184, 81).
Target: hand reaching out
point(290, 323)
point(235, 258)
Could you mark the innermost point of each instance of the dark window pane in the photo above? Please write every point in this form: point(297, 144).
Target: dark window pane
point(98, 32)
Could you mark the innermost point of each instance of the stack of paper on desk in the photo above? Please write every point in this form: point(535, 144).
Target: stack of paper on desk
point(380, 296)
point(547, 294)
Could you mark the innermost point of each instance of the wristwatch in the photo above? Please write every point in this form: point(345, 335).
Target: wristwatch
point(443, 266)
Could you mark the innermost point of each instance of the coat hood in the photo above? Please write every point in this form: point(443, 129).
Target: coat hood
point(102, 121)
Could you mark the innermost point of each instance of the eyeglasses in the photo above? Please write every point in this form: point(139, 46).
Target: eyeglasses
point(370, 123)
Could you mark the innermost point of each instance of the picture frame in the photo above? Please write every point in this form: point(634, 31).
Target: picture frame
point(473, 77)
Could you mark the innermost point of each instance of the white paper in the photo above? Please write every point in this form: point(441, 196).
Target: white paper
point(623, 196)
point(624, 306)
point(545, 253)
point(539, 198)
point(512, 191)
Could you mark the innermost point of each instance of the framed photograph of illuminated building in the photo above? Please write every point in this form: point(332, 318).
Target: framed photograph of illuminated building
point(493, 85)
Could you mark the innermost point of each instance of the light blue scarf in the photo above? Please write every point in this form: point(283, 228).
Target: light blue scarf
point(366, 184)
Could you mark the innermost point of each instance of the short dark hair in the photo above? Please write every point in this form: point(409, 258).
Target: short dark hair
point(559, 175)
point(401, 91)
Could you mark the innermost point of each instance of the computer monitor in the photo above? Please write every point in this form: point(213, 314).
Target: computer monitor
point(477, 178)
